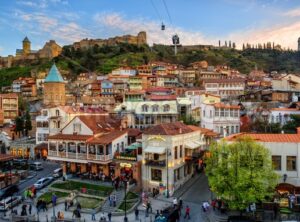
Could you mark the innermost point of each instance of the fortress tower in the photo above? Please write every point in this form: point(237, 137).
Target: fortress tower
point(54, 88)
point(26, 46)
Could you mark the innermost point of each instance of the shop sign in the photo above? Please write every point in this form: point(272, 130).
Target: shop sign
point(129, 158)
point(128, 165)
point(158, 137)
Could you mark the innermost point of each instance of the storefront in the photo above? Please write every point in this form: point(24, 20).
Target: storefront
point(41, 151)
point(131, 170)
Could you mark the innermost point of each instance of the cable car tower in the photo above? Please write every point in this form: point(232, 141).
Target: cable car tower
point(175, 40)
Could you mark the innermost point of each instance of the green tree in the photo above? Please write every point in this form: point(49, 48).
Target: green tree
point(240, 173)
point(28, 125)
point(19, 125)
point(291, 126)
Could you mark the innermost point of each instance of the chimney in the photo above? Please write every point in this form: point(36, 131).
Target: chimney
point(298, 130)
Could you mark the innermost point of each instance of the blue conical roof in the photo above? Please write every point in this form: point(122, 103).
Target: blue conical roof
point(54, 75)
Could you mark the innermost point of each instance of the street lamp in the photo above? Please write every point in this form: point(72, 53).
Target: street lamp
point(167, 152)
point(125, 185)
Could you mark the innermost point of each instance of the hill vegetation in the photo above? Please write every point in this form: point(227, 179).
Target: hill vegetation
point(106, 58)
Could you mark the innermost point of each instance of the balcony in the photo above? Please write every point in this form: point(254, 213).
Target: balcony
point(80, 156)
point(156, 163)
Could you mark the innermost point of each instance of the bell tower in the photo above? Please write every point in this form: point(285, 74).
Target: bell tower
point(26, 46)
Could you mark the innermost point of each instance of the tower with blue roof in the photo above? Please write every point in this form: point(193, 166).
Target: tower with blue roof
point(54, 88)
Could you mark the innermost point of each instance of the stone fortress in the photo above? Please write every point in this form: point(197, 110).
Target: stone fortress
point(140, 39)
point(50, 50)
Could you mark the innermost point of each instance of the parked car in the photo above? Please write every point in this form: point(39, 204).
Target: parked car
point(43, 182)
point(20, 164)
point(57, 172)
point(36, 166)
point(10, 202)
point(8, 191)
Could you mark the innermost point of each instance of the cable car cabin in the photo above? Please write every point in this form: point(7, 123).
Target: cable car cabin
point(175, 39)
point(163, 27)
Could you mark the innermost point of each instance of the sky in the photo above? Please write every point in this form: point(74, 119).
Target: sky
point(195, 21)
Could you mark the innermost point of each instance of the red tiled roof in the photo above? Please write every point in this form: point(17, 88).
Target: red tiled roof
point(158, 89)
point(223, 80)
point(106, 138)
point(161, 97)
point(99, 123)
point(285, 109)
point(204, 131)
point(6, 157)
point(175, 128)
point(133, 132)
point(69, 137)
point(275, 138)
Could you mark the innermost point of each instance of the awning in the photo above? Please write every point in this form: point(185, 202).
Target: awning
point(155, 149)
point(192, 145)
point(200, 143)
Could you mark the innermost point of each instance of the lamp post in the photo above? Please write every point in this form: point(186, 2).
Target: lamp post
point(167, 152)
point(125, 185)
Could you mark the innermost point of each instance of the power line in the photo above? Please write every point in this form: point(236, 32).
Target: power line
point(156, 11)
point(166, 7)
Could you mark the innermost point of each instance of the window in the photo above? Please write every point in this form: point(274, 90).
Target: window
point(222, 113)
point(57, 112)
point(155, 108)
point(166, 108)
point(276, 162)
point(145, 108)
point(231, 112)
point(226, 112)
point(210, 114)
point(156, 175)
point(217, 112)
point(175, 153)
point(58, 125)
point(232, 129)
point(76, 127)
point(203, 113)
point(237, 129)
point(291, 163)
point(180, 151)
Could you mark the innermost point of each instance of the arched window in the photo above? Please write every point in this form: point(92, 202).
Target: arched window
point(145, 108)
point(166, 108)
point(155, 108)
point(57, 112)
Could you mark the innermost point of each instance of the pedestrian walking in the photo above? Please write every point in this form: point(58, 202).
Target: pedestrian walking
point(66, 205)
point(109, 216)
point(114, 200)
point(54, 198)
point(175, 202)
point(29, 209)
point(110, 198)
point(187, 212)
point(93, 215)
point(157, 214)
point(136, 213)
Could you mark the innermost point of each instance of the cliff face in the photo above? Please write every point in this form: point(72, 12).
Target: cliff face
point(140, 39)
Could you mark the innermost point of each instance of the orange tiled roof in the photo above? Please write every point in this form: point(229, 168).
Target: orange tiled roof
point(285, 109)
point(222, 105)
point(175, 128)
point(204, 131)
point(275, 138)
point(161, 97)
point(133, 132)
point(69, 137)
point(106, 138)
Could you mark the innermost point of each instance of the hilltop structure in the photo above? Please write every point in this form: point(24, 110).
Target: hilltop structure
point(140, 39)
point(50, 50)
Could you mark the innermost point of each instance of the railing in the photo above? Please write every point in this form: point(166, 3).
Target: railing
point(159, 163)
point(80, 156)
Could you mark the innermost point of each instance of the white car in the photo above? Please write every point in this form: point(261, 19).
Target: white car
point(10, 202)
point(41, 183)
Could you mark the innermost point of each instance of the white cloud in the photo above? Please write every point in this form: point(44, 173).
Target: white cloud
point(292, 13)
point(284, 34)
point(117, 22)
point(34, 4)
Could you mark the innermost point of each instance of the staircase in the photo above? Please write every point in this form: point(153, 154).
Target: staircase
point(120, 194)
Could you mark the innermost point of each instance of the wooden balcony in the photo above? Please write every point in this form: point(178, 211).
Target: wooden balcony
point(80, 156)
point(156, 163)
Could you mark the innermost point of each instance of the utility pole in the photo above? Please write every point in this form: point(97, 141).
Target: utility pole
point(167, 152)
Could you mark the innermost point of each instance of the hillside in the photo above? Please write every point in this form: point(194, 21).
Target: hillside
point(104, 59)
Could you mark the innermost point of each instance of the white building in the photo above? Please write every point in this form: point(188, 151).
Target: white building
point(52, 120)
point(282, 115)
point(285, 151)
point(221, 118)
point(124, 71)
point(167, 155)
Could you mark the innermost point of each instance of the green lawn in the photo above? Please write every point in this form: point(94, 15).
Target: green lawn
point(92, 189)
point(129, 205)
point(132, 196)
point(88, 203)
point(48, 195)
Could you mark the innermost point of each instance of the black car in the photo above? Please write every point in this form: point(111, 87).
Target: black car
point(8, 191)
